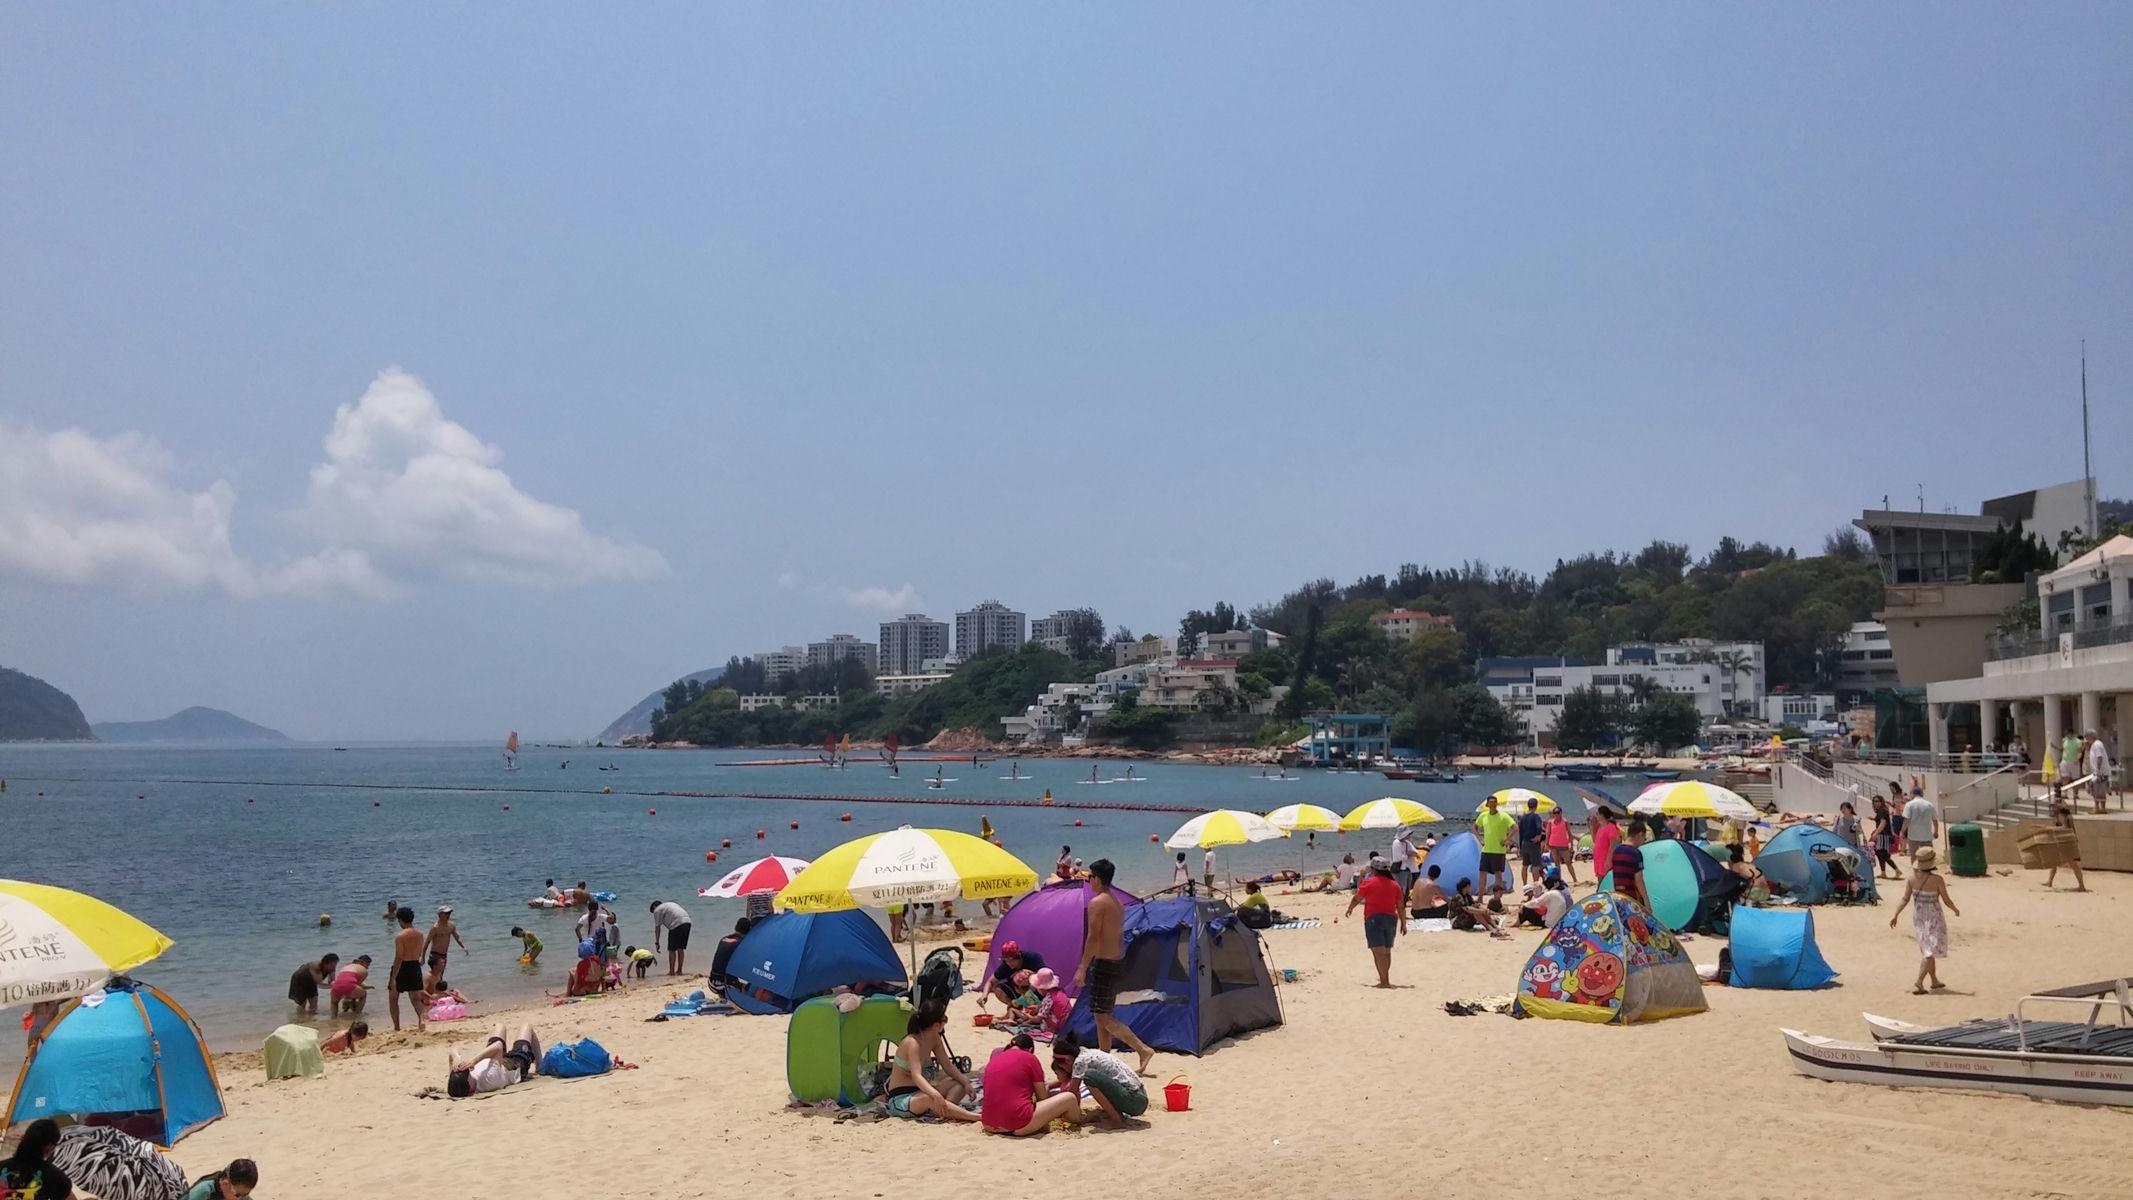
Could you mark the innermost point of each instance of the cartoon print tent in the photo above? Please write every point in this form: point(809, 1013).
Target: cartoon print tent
point(1609, 962)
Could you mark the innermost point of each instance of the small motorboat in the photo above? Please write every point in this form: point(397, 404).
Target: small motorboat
point(1590, 772)
point(2081, 1062)
point(1662, 776)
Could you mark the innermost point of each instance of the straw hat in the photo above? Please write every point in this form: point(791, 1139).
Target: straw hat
point(1925, 858)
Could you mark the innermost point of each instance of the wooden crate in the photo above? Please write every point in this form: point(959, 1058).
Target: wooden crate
point(2048, 847)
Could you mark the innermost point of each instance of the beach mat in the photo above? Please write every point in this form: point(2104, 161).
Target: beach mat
point(1299, 923)
point(1429, 925)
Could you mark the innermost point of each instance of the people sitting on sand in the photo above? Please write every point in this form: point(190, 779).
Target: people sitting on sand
point(921, 1058)
point(1018, 1099)
point(344, 1041)
point(1545, 902)
point(1056, 1005)
point(230, 1183)
point(496, 1066)
point(1469, 912)
point(1118, 1092)
point(30, 1171)
point(1426, 900)
point(722, 954)
point(304, 985)
point(350, 988)
point(590, 975)
point(1344, 873)
point(1013, 958)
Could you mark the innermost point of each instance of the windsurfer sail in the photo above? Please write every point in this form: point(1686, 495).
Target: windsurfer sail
point(511, 751)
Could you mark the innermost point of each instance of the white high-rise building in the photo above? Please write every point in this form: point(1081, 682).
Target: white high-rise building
point(990, 626)
point(908, 641)
point(781, 663)
point(839, 647)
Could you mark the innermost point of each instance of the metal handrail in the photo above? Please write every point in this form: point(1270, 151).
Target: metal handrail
point(1982, 778)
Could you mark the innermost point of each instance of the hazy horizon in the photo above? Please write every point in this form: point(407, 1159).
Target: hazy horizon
point(380, 375)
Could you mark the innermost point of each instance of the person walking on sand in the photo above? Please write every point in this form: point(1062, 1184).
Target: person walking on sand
point(1207, 870)
point(1882, 832)
point(438, 943)
point(1532, 841)
point(1103, 953)
point(673, 919)
point(1921, 822)
point(1605, 833)
point(1927, 894)
point(407, 971)
point(1380, 895)
point(2063, 818)
point(1181, 876)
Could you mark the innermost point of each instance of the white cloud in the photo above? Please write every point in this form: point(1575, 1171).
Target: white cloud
point(77, 509)
point(409, 488)
point(788, 581)
point(402, 491)
point(881, 599)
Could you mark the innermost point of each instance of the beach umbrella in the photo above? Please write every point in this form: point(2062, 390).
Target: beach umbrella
point(763, 876)
point(1594, 798)
point(55, 944)
point(907, 866)
point(1303, 818)
point(1694, 798)
point(1390, 812)
point(1514, 799)
point(1224, 827)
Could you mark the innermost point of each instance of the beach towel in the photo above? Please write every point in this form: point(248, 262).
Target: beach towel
point(112, 1165)
point(293, 1050)
point(1429, 925)
point(1296, 923)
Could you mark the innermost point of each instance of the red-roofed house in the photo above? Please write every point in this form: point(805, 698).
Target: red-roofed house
point(1403, 624)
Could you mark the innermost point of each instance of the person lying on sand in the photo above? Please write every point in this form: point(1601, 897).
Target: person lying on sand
point(496, 1066)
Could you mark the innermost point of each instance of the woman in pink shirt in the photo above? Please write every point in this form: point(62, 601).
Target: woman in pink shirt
point(1018, 1099)
point(1605, 834)
point(1559, 845)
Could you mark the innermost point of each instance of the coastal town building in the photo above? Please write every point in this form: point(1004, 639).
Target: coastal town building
point(1404, 625)
point(1721, 679)
point(782, 663)
point(839, 647)
point(2072, 673)
point(1150, 648)
point(988, 627)
point(1866, 664)
point(799, 703)
point(908, 641)
point(1180, 687)
point(1814, 712)
point(1236, 643)
point(1062, 709)
point(1052, 632)
point(903, 685)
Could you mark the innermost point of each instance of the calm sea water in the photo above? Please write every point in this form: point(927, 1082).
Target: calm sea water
point(235, 853)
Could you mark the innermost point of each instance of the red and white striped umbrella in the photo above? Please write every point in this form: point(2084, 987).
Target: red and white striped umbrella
point(763, 875)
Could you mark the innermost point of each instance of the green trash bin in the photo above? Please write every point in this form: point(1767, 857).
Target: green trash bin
point(1966, 849)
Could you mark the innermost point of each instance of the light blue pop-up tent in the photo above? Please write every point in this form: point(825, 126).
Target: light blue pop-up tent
point(788, 957)
point(1775, 948)
point(126, 1056)
point(1797, 860)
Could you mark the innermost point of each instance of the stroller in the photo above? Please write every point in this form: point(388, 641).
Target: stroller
point(1842, 863)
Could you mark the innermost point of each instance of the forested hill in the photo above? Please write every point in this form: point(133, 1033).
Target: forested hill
point(32, 710)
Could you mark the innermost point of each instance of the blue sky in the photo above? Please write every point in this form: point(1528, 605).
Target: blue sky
point(384, 372)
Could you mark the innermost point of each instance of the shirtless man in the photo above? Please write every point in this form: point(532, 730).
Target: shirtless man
point(438, 942)
point(579, 897)
point(407, 971)
point(1096, 979)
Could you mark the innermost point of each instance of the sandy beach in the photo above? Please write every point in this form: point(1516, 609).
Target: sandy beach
point(1361, 1087)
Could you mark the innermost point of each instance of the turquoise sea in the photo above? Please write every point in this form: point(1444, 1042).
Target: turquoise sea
point(235, 853)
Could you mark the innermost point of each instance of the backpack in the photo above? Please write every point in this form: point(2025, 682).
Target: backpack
point(940, 977)
point(575, 1060)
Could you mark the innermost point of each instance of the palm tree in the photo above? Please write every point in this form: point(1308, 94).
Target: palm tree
point(1734, 663)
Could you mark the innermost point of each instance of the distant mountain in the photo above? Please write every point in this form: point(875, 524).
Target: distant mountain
point(195, 724)
point(639, 719)
point(32, 710)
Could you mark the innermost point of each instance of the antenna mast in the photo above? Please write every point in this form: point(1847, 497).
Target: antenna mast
point(2088, 477)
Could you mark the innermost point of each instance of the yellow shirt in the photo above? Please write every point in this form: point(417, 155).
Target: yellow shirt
point(1255, 900)
point(1496, 829)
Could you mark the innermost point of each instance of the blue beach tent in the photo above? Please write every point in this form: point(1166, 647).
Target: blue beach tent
point(1460, 856)
point(126, 1056)
point(1192, 975)
point(1789, 861)
point(788, 957)
point(1775, 948)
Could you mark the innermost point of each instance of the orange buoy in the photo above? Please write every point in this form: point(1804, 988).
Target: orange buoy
point(710, 856)
point(651, 812)
point(725, 843)
point(845, 817)
point(1077, 822)
point(1153, 838)
point(247, 799)
point(141, 797)
point(507, 808)
point(759, 835)
point(795, 824)
point(373, 803)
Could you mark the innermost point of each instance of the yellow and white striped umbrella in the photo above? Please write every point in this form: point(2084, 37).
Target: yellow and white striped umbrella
point(1513, 800)
point(1224, 827)
point(1390, 812)
point(55, 943)
point(1301, 818)
point(907, 866)
point(1694, 798)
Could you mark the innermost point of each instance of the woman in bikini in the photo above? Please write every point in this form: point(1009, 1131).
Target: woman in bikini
point(349, 987)
point(913, 1095)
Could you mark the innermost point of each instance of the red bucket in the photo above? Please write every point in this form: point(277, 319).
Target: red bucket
point(1177, 1094)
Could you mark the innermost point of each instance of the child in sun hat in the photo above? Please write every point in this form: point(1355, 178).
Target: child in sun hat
point(1055, 1004)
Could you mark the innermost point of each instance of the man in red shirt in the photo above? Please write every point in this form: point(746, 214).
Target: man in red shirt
point(1379, 894)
